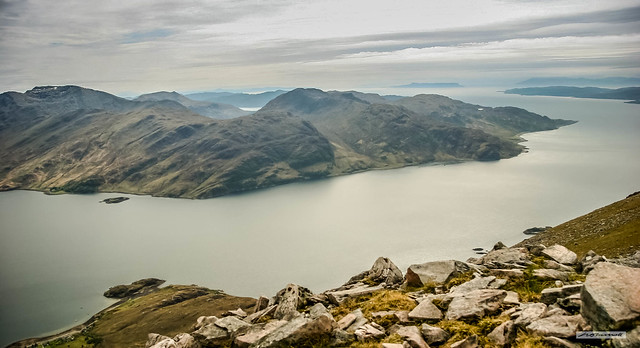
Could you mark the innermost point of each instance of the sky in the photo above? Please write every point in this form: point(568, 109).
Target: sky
point(140, 46)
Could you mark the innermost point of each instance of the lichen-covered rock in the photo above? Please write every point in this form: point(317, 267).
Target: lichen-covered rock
point(289, 299)
point(611, 296)
point(436, 272)
point(475, 304)
point(560, 254)
point(256, 332)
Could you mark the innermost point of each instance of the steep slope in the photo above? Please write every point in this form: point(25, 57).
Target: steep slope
point(369, 131)
point(209, 109)
point(158, 148)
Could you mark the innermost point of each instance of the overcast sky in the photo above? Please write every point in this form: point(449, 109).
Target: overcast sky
point(139, 46)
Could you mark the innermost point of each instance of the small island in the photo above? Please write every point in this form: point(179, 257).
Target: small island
point(114, 200)
point(632, 94)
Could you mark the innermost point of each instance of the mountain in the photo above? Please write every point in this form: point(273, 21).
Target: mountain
point(241, 100)
point(209, 109)
point(430, 85)
point(627, 93)
point(581, 81)
point(78, 140)
point(369, 131)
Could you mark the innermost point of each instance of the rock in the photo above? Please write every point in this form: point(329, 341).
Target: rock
point(506, 258)
point(353, 290)
point(589, 261)
point(473, 284)
point(289, 299)
point(184, 295)
point(536, 249)
point(211, 334)
point(154, 338)
point(236, 312)
point(557, 325)
point(557, 266)
point(392, 345)
point(382, 271)
point(509, 273)
point(469, 342)
point(122, 291)
point(512, 298)
point(114, 200)
point(475, 304)
point(368, 332)
point(550, 295)
point(530, 312)
point(319, 309)
point(550, 274)
point(611, 296)
point(497, 283)
point(503, 335)
point(559, 342)
point(402, 316)
point(411, 335)
point(632, 340)
point(204, 320)
point(256, 332)
point(426, 310)
point(232, 325)
point(261, 304)
point(571, 304)
point(499, 246)
point(347, 320)
point(185, 340)
point(267, 312)
point(341, 338)
point(434, 335)
point(436, 272)
point(560, 254)
point(297, 329)
point(165, 343)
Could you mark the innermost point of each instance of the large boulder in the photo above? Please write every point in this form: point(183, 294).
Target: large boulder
point(506, 258)
point(256, 332)
point(503, 335)
point(529, 313)
point(560, 254)
point(183, 340)
point(611, 296)
point(289, 299)
point(475, 304)
point(411, 335)
point(298, 329)
point(382, 271)
point(434, 273)
point(426, 310)
point(558, 326)
point(434, 335)
point(551, 295)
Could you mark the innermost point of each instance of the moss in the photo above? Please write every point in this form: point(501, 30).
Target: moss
point(526, 340)
point(528, 286)
point(458, 279)
point(384, 300)
point(460, 330)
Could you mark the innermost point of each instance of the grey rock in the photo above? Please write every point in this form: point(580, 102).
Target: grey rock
point(557, 325)
point(551, 264)
point(205, 320)
point(512, 298)
point(236, 312)
point(352, 290)
point(319, 309)
point(267, 312)
point(434, 335)
point(611, 296)
point(369, 332)
point(426, 310)
point(165, 343)
point(261, 303)
point(411, 334)
point(550, 274)
point(232, 324)
point(256, 332)
point(530, 312)
point(504, 334)
point(475, 304)
point(211, 334)
point(497, 283)
point(185, 340)
point(154, 338)
point(340, 338)
point(297, 329)
point(509, 273)
point(589, 260)
point(436, 272)
point(402, 316)
point(469, 342)
point(508, 257)
point(347, 320)
point(551, 295)
point(560, 254)
point(289, 299)
point(392, 345)
point(382, 271)
point(632, 340)
point(499, 246)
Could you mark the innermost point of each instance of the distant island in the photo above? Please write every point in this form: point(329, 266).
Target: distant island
point(581, 81)
point(627, 93)
point(78, 140)
point(430, 85)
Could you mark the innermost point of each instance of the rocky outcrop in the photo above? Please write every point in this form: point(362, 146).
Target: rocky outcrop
point(436, 272)
point(611, 296)
point(560, 254)
point(137, 287)
point(475, 304)
point(382, 271)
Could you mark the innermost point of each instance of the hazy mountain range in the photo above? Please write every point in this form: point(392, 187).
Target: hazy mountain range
point(581, 81)
point(243, 100)
point(205, 108)
point(73, 139)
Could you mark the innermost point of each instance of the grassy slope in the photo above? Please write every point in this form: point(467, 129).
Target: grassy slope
point(611, 231)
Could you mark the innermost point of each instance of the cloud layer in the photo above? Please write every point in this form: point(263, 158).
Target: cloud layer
point(142, 45)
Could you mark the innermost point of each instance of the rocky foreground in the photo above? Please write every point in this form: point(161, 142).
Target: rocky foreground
point(508, 297)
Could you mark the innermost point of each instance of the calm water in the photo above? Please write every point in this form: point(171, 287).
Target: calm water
point(59, 253)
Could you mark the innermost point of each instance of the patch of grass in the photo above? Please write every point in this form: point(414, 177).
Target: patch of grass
point(384, 300)
point(80, 341)
point(528, 286)
point(460, 330)
point(458, 279)
point(526, 340)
